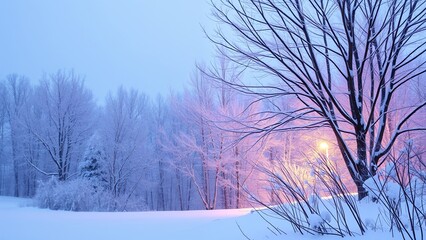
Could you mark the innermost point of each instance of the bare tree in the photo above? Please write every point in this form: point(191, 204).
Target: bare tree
point(178, 160)
point(201, 143)
point(174, 187)
point(122, 133)
point(64, 109)
point(206, 146)
point(3, 140)
point(17, 93)
point(160, 112)
point(344, 61)
point(237, 158)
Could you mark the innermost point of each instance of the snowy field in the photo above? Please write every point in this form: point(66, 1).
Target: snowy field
point(19, 221)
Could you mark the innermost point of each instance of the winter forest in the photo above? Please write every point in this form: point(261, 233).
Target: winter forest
point(311, 110)
point(136, 153)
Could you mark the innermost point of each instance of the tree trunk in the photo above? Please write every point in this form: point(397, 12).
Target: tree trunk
point(15, 162)
point(358, 172)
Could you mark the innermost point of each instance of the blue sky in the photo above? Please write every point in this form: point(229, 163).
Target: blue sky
point(145, 44)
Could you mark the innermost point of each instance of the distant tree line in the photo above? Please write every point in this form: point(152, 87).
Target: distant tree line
point(129, 151)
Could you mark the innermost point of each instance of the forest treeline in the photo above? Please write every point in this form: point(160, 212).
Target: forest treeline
point(184, 151)
point(207, 147)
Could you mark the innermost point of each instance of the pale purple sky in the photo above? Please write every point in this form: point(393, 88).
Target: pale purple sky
point(150, 45)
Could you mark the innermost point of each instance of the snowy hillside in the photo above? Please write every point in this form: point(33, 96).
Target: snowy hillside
point(18, 221)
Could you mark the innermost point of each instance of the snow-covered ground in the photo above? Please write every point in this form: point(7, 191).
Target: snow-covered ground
point(18, 220)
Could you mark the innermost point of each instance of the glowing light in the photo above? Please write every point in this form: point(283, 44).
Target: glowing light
point(323, 145)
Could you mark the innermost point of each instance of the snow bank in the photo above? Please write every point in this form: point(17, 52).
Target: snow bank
point(19, 222)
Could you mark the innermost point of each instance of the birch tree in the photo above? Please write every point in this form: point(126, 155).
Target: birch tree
point(344, 61)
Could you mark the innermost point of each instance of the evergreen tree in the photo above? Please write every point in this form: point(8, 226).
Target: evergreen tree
point(92, 167)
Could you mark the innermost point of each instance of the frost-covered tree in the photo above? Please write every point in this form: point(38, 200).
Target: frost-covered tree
point(202, 142)
point(343, 61)
point(3, 142)
point(16, 99)
point(122, 133)
point(169, 124)
point(171, 188)
point(62, 121)
point(93, 167)
point(206, 147)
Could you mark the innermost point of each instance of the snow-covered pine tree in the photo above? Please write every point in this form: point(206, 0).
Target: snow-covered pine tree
point(93, 166)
